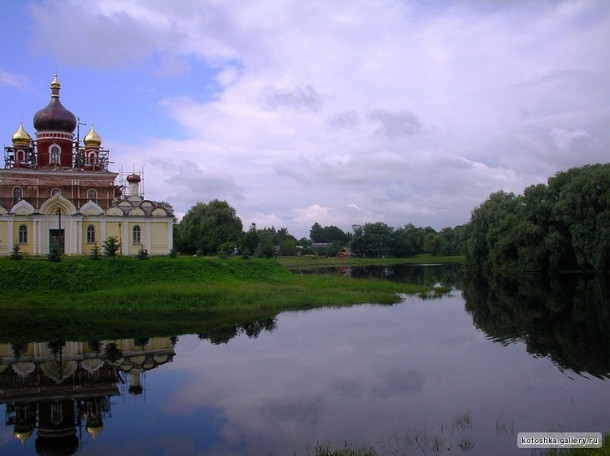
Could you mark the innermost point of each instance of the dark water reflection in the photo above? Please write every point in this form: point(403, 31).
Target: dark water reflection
point(460, 374)
point(567, 320)
point(450, 275)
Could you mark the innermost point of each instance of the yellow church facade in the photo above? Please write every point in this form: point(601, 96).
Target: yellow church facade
point(57, 194)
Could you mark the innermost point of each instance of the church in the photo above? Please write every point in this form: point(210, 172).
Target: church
point(59, 195)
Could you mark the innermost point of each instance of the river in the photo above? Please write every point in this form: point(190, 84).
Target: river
point(463, 373)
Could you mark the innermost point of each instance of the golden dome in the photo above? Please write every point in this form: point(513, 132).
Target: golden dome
point(21, 137)
point(92, 138)
point(94, 431)
point(55, 83)
point(23, 436)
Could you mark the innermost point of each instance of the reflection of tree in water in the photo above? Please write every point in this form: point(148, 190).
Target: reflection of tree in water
point(252, 329)
point(447, 275)
point(566, 320)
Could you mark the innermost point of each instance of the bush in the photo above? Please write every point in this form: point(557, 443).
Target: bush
point(95, 253)
point(142, 254)
point(16, 253)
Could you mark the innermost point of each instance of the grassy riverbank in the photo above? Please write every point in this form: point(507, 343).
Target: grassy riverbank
point(164, 296)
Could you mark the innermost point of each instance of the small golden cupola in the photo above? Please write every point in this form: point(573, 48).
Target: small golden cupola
point(92, 142)
point(92, 138)
point(21, 137)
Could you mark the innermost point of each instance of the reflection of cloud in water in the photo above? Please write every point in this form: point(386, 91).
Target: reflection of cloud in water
point(398, 382)
point(367, 373)
point(294, 409)
point(348, 387)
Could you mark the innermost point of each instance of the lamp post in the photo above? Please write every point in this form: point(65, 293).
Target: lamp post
point(58, 237)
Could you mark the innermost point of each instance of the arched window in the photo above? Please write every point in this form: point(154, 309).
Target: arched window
point(23, 234)
point(55, 156)
point(57, 413)
point(90, 234)
point(55, 191)
point(21, 156)
point(92, 158)
point(92, 195)
point(17, 195)
point(136, 235)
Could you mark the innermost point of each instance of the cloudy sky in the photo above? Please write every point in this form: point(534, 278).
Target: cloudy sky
point(339, 112)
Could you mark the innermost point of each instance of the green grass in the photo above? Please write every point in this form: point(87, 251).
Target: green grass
point(165, 296)
point(181, 284)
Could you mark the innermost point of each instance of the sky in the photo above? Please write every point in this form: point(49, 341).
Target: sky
point(339, 112)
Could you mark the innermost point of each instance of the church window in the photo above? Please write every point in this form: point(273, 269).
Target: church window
point(92, 195)
point(57, 413)
point(136, 235)
point(17, 195)
point(21, 156)
point(92, 158)
point(55, 191)
point(90, 234)
point(23, 234)
point(55, 156)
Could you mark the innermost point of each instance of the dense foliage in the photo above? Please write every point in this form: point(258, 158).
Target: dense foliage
point(214, 228)
point(563, 225)
point(380, 240)
point(208, 228)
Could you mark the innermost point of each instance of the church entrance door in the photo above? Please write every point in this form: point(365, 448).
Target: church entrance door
point(56, 241)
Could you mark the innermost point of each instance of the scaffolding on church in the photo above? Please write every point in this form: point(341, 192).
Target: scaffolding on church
point(24, 157)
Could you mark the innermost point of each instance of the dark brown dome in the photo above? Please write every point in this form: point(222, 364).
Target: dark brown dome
point(55, 116)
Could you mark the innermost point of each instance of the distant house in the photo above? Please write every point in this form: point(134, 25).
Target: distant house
point(344, 252)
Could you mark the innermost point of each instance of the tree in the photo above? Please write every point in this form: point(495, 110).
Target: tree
point(265, 247)
point(251, 240)
point(16, 253)
point(111, 246)
point(330, 233)
point(554, 227)
point(408, 241)
point(316, 233)
point(207, 228)
point(433, 243)
point(288, 247)
point(94, 254)
point(372, 239)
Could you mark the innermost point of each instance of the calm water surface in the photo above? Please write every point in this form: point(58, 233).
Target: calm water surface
point(414, 378)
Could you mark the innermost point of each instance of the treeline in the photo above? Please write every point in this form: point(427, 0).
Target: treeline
point(558, 226)
point(215, 228)
point(374, 240)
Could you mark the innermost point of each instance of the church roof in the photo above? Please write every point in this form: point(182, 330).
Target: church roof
point(54, 116)
point(21, 137)
point(92, 138)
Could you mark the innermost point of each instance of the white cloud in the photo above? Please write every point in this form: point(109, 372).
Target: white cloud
point(413, 112)
point(17, 81)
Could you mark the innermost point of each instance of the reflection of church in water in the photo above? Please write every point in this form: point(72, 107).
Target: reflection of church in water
point(58, 389)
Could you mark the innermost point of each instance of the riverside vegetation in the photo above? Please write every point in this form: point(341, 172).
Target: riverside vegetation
point(81, 299)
